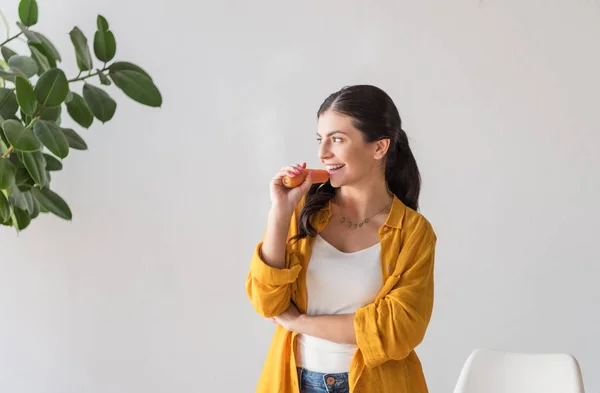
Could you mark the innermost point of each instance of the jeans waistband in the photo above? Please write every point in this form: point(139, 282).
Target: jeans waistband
point(328, 382)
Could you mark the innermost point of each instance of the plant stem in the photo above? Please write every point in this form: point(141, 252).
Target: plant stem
point(10, 39)
point(32, 122)
point(7, 153)
point(78, 78)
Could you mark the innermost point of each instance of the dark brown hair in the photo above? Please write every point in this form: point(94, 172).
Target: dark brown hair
point(375, 115)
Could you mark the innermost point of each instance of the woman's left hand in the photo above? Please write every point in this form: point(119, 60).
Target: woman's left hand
point(289, 318)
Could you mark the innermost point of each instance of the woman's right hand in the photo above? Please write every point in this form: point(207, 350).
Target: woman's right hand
point(283, 199)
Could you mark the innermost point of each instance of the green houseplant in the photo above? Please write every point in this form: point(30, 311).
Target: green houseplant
point(35, 94)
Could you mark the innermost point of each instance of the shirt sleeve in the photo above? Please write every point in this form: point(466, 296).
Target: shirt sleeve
point(392, 327)
point(269, 288)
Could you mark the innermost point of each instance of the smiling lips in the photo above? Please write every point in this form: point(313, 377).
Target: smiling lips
point(334, 168)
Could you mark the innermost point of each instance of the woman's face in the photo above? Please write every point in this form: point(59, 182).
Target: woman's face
point(344, 152)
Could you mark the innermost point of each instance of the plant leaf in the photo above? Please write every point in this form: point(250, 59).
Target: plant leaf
point(82, 51)
point(102, 23)
point(124, 65)
point(20, 137)
point(7, 174)
point(105, 45)
point(23, 180)
point(75, 141)
point(104, 79)
point(34, 208)
point(52, 202)
point(103, 107)
point(52, 164)
point(47, 48)
point(28, 33)
point(25, 64)
point(8, 103)
point(35, 163)
point(137, 86)
point(16, 162)
point(28, 201)
point(25, 95)
point(80, 111)
point(50, 134)
point(4, 208)
point(23, 219)
point(52, 114)
point(28, 12)
point(52, 88)
point(16, 198)
point(41, 60)
point(10, 74)
point(25, 118)
point(7, 53)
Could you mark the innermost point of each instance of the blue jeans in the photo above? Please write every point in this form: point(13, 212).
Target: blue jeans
point(312, 382)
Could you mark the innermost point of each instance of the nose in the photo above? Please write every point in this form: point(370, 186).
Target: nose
point(324, 151)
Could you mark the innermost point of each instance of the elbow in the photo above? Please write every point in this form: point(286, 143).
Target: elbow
point(388, 346)
point(413, 339)
point(270, 310)
point(268, 304)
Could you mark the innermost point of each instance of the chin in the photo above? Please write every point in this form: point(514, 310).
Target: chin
point(338, 178)
point(336, 183)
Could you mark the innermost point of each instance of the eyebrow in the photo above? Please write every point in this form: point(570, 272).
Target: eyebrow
point(334, 132)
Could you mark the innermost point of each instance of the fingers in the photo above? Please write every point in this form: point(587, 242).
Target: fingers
point(295, 169)
point(291, 170)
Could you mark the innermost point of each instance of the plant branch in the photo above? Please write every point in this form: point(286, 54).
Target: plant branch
point(78, 78)
point(7, 153)
point(10, 39)
point(32, 122)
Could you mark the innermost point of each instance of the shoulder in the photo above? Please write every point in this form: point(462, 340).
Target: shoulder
point(408, 222)
point(417, 225)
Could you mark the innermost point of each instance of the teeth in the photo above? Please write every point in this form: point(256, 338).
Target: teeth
point(334, 167)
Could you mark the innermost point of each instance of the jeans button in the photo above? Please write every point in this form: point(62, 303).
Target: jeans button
point(330, 381)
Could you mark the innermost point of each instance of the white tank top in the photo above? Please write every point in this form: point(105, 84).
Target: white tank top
point(336, 283)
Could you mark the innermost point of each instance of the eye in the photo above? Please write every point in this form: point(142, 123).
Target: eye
point(318, 140)
point(336, 139)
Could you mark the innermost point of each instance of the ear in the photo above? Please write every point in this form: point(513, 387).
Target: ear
point(381, 148)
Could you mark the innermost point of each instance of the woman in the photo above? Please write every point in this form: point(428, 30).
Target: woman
point(345, 268)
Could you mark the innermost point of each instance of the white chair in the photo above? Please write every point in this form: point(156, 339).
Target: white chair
point(492, 371)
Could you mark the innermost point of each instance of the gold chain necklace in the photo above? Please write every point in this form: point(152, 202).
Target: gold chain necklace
point(356, 224)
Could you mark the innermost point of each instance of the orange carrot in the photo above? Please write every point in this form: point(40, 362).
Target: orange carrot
point(318, 176)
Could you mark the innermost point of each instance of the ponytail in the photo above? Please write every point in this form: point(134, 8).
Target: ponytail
point(402, 173)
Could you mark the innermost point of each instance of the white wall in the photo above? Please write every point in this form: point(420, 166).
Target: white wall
point(144, 290)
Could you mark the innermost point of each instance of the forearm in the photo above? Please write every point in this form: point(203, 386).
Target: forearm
point(336, 328)
point(274, 244)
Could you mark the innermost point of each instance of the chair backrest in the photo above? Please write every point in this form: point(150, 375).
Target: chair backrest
point(492, 371)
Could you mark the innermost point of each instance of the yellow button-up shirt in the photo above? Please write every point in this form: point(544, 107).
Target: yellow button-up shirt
point(387, 330)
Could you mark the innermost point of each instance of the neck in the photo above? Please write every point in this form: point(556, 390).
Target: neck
point(362, 200)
